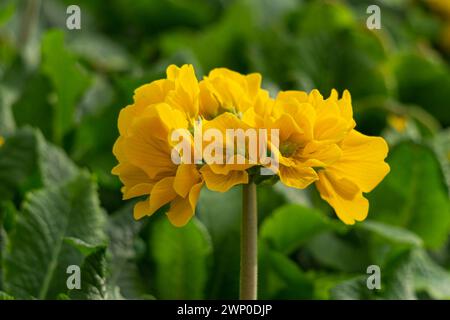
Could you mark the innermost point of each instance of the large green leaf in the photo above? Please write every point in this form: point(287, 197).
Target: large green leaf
point(391, 233)
point(404, 277)
point(414, 194)
point(55, 167)
point(291, 226)
point(67, 78)
point(181, 259)
point(93, 277)
point(337, 253)
point(37, 255)
point(123, 230)
point(28, 161)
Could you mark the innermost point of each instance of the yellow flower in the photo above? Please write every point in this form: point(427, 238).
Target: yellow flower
point(318, 143)
point(143, 148)
point(310, 129)
point(227, 100)
point(2, 141)
point(224, 90)
point(146, 168)
point(228, 173)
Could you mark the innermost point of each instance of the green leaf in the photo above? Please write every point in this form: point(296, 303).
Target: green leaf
point(404, 277)
point(6, 12)
point(391, 233)
point(280, 277)
point(424, 81)
point(414, 195)
point(337, 253)
point(441, 145)
point(101, 52)
point(123, 231)
point(83, 247)
point(17, 162)
point(291, 226)
point(221, 214)
point(5, 296)
point(429, 276)
point(93, 277)
point(181, 259)
point(67, 78)
point(352, 289)
point(33, 107)
point(28, 161)
point(413, 272)
point(55, 166)
point(7, 123)
point(37, 256)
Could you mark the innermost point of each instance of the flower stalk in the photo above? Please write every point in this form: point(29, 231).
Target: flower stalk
point(249, 244)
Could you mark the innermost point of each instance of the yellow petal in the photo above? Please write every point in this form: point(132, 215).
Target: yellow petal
point(142, 209)
point(182, 209)
point(222, 182)
point(186, 177)
point(344, 196)
point(225, 121)
point(152, 93)
point(288, 128)
point(137, 190)
point(131, 175)
point(208, 103)
point(119, 150)
point(362, 160)
point(126, 117)
point(330, 128)
point(299, 96)
point(232, 165)
point(320, 154)
point(162, 193)
point(297, 176)
point(185, 97)
point(147, 150)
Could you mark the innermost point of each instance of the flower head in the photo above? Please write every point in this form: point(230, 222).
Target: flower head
point(315, 142)
point(318, 143)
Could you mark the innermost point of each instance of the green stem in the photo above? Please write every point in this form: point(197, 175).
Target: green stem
point(249, 244)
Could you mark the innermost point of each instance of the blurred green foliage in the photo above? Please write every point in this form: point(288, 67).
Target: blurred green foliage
point(60, 94)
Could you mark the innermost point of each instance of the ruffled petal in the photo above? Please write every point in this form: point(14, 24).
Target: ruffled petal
point(362, 160)
point(182, 209)
point(297, 176)
point(187, 176)
point(162, 193)
point(222, 182)
point(344, 196)
point(148, 151)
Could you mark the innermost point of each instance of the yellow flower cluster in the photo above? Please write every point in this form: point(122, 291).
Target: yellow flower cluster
point(317, 142)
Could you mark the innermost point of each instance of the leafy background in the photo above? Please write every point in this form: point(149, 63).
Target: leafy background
point(60, 94)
